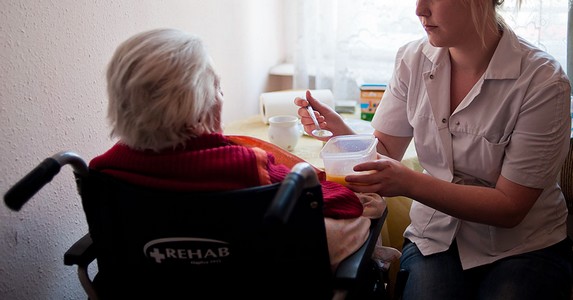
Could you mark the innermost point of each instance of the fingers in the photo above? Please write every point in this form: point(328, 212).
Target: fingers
point(307, 100)
point(368, 173)
point(303, 112)
point(315, 103)
point(298, 101)
point(309, 97)
point(304, 115)
point(377, 165)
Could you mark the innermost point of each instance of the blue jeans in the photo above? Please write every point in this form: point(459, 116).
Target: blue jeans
point(541, 274)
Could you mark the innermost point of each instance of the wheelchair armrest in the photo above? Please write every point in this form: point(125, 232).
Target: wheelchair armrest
point(81, 253)
point(353, 268)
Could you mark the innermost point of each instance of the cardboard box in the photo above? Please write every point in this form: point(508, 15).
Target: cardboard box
point(370, 96)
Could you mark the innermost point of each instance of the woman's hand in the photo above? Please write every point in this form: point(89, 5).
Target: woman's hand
point(385, 176)
point(326, 116)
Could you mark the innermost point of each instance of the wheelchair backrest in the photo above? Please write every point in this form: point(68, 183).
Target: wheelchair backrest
point(220, 244)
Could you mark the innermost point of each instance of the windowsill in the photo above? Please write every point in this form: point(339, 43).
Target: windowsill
point(282, 70)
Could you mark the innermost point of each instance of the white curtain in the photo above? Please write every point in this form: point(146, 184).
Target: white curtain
point(343, 43)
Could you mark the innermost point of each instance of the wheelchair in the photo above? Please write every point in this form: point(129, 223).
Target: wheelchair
point(260, 242)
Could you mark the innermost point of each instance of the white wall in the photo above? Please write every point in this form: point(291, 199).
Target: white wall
point(52, 97)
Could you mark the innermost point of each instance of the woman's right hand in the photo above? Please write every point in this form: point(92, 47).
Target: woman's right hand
point(327, 117)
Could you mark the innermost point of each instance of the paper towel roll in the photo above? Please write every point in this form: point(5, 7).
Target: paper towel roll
point(282, 103)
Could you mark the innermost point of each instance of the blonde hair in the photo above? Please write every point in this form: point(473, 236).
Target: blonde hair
point(485, 16)
point(162, 90)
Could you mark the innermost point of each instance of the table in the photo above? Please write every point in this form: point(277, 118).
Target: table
point(307, 148)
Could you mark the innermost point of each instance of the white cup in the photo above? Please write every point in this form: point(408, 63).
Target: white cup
point(284, 131)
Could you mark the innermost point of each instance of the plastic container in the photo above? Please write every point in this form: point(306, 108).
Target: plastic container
point(341, 153)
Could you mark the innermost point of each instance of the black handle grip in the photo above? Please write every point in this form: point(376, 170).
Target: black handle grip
point(30, 184)
point(285, 199)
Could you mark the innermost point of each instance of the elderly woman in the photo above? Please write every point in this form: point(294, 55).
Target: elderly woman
point(165, 104)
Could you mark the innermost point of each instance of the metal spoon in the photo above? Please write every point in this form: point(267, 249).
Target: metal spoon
point(318, 132)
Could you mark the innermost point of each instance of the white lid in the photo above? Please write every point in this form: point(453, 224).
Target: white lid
point(349, 146)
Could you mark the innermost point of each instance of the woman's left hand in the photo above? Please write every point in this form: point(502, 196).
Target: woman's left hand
point(384, 176)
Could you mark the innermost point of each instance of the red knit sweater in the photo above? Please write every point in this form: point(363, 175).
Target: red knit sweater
point(213, 162)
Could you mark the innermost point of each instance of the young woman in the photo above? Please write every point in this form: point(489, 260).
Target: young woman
point(490, 117)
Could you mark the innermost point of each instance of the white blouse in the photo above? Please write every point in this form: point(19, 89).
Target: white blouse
point(514, 122)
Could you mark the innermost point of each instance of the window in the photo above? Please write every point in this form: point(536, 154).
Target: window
point(342, 43)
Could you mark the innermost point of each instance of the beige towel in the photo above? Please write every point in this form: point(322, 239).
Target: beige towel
point(344, 237)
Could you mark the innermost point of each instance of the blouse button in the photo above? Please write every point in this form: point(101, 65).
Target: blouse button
point(444, 120)
point(458, 123)
point(431, 76)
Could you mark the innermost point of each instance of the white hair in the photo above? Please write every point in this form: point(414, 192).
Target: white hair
point(162, 90)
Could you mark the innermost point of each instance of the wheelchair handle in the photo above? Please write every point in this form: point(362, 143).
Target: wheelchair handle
point(30, 184)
